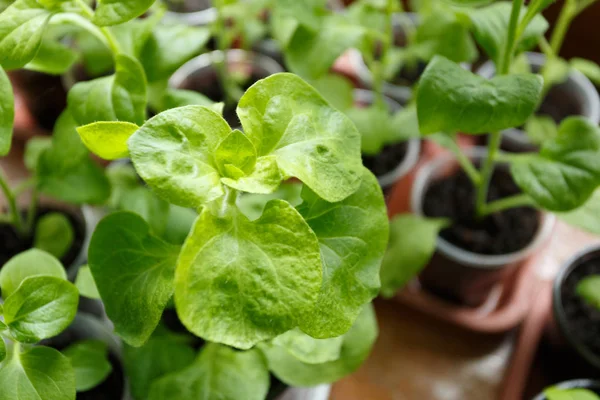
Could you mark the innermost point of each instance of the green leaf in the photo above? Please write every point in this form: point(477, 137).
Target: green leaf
point(179, 223)
point(356, 346)
point(29, 263)
point(235, 156)
point(451, 99)
point(218, 372)
point(308, 349)
point(173, 98)
point(133, 35)
point(133, 271)
point(7, 113)
point(107, 139)
point(41, 373)
point(22, 25)
point(588, 68)
point(239, 282)
point(555, 393)
point(587, 216)
point(33, 151)
point(53, 58)
point(490, 25)
point(54, 234)
point(160, 356)
point(589, 289)
point(119, 97)
point(90, 363)
point(264, 178)
point(285, 117)
point(85, 283)
point(2, 350)
point(169, 47)
point(42, 307)
point(336, 89)
point(412, 243)
point(173, 153)
point(566, 171)
point(352, 237)
point(307, 13)
point(253, 205)
point(555, 71)
point(113, 12)
point(540, 128)
point(65, 171)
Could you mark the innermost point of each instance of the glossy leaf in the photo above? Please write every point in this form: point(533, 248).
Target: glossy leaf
point(308, 349)
point(113, 12)
point(451, 99)
point(7, 113)
point(90, 363)
point(54, 234)
point(352, 237)
point(239, 282)
point(107, 139)
point(218, 372)
point(133, 271)
point(53, 58)
point(41, 307)
point(119, 97)
point(41, 373)
point(22, 25)
point(589, 289)
point(173, 153)
point(29, 263)
point(412, 243)
point(285, 117)
point(566, 171)
point(356, 346)
point(85, 283)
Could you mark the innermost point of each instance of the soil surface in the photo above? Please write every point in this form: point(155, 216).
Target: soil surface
point(500, 233)
point(583, 319)
point(188, 6)
point(387, 160)
point(11, 243)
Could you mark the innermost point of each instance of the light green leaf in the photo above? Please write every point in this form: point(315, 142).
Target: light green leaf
point(589, 289)
point(588, 68)
point(356, 346)
point(29, 263)
point(169, 47)
point(555, 393)
point(41, 307)
point(235, 156)
point(22, 25)
point(540, 128)
point(53, 58)
point(33, 151)
point(7, 113)
point(114, 12)
point(264, 178)
point(353, 237)
point(239, 282)
point(119, 97)
point(555, 71)
point(90, 363)
point(490, 25)
point(412, 243)
point(566, 171)
point(133, 271)
point(85, 283)
point(218, 372)
point(253, 205)
point(308, 349)
point(41, 373)
point(307, 13)
point(54, 234)
point(336, 89)
point(451, 99)
point(173, 153)
point(587, 216)
point(285, 117)
point(160, 356)
point(107, 139)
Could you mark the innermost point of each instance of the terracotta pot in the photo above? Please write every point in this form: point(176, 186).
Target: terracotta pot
point(589, 384)
point(576, 96)
point(458, 273)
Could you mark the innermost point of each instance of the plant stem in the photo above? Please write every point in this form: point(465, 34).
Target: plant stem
point(568, 12)
point(465, 163)
point(12, 203)
point(506, 203)
point(486, 172)
point(32, 209)
point(511, 38)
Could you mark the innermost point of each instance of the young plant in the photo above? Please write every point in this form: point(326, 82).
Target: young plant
point(38, 303)
point(589, 290)
point(237, 281)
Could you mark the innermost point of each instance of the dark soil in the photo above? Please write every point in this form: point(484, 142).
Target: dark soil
point(387, 160)
point(500, 233)
point(11, 243)
point(188, 6)
point(583, 319)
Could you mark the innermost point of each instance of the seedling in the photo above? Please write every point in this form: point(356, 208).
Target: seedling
point(589, 290)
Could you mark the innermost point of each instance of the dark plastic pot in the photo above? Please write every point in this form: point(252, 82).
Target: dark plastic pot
point(459, 274)
point(576, 96)
point(589, 384)
point(191, 12)
point(559, 331)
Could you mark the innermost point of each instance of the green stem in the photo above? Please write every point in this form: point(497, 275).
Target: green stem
point(568, 12)
point(511, 37)
point(12, 203)
point(465, 163)
point(32, 209)
point(23, 186)
point(486, 172)
point(517, 200)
